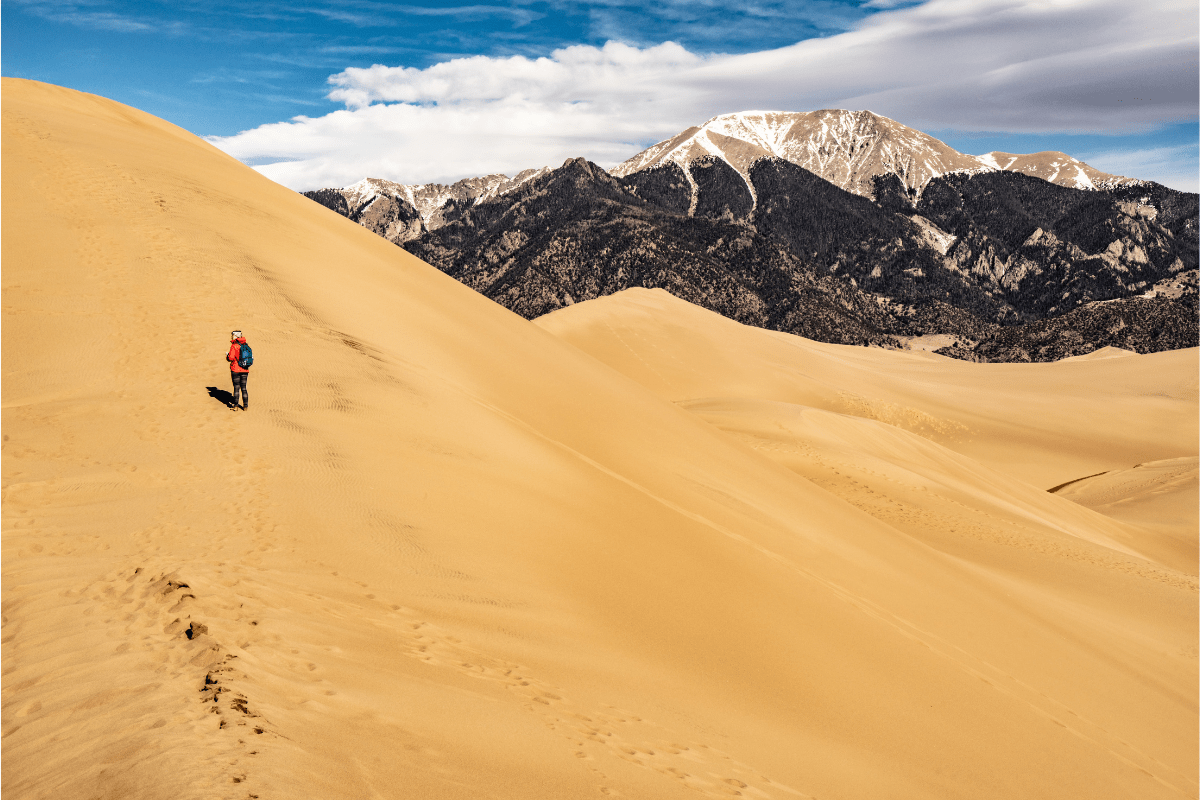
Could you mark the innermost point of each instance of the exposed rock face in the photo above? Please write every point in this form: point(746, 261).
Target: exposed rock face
point(1049, 249)
point(391, 218)
point(431, 199)
point(1175, 211)
point(850, 149)
point(400, 212)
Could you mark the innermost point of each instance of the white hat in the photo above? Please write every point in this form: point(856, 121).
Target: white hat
point(236, 334)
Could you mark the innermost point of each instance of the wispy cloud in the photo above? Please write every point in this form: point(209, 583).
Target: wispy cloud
point(282, 99)
point(715, 26)
point(885, 4)
point(1171, 166)
point(85, 14)
point(182, 18)
point(203, 79)
point(519, 16)
point(360, 18)
point(366, 49)
point(266, 78)
point(989, 65)
point(299, 57)
point(109, 22)
point(380, 15)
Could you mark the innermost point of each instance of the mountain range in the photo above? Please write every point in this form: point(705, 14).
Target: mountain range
point(841, 226)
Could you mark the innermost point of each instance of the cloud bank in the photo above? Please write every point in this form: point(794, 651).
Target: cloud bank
point(1076, 66)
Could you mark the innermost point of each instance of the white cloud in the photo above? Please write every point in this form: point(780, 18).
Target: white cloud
point(986, 65)
point(615, 72)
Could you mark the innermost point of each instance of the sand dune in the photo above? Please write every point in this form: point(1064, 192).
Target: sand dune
point(1159, 498)
point(450, 553)
point(901, 436)
point(1043, 423)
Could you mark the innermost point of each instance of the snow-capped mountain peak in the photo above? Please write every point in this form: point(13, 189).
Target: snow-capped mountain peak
point(847, 148)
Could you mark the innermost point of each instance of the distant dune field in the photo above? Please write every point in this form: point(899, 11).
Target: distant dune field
point(632, 549)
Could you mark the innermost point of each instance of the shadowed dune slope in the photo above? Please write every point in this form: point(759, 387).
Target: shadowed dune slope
point(1160, 497)
point(446, 554)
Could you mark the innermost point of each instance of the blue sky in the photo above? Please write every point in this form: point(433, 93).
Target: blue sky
point(324, 93)
point(220, 68)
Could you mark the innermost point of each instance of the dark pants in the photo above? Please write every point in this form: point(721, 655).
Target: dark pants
point(239, 384)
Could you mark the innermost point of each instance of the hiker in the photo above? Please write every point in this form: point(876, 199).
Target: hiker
point(240, 358)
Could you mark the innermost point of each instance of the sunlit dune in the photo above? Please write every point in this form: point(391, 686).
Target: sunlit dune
point(1042, 423)
point(633, 549)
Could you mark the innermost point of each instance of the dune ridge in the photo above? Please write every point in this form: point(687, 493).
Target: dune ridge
point(451, 553)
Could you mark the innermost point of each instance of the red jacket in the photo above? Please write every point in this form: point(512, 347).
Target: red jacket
point(235, 350)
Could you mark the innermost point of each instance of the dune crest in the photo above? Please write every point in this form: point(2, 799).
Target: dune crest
point(448, 554)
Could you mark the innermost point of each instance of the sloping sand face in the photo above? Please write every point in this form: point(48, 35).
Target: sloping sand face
point(1160, 498)
point(447, 554)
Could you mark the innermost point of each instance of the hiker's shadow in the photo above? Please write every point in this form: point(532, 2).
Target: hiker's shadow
point(221, 395)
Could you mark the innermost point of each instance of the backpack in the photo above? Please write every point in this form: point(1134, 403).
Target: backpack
point(245, 356)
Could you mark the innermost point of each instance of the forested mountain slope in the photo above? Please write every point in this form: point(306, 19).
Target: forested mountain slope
point(973, 256)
